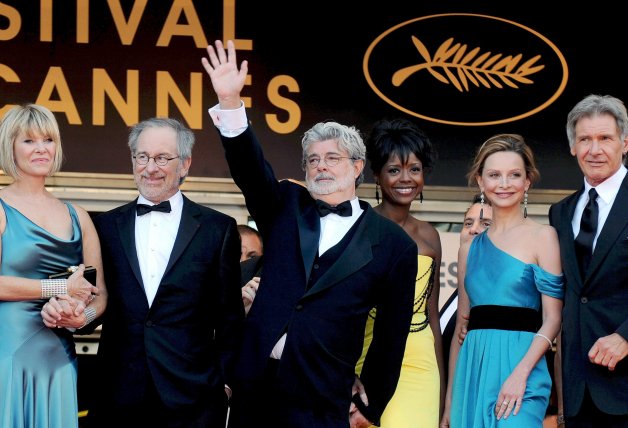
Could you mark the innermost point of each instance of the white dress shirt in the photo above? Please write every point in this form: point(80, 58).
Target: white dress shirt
point(607, 192)
point(335, 227)
point(155, 233)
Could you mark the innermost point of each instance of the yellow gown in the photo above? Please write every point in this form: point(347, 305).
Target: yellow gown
point(415, 403)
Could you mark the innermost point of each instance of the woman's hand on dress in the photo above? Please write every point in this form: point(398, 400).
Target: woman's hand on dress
point(444, 422)
point(510, 397)
point(80, 288)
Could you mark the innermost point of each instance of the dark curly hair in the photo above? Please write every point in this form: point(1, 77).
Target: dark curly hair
point(398, 137)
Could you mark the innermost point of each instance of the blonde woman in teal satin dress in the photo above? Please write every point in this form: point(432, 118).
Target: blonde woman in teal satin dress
point(40, 235)
point(400, 154)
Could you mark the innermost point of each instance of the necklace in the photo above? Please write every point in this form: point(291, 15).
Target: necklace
point(418, 302)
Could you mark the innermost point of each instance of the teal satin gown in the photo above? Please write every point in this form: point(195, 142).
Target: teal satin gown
point(488, 356)
point(38, 365)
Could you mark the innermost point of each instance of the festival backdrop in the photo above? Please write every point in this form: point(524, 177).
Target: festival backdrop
point(462, 70)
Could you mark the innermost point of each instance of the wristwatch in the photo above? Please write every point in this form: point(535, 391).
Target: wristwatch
point(560, 419)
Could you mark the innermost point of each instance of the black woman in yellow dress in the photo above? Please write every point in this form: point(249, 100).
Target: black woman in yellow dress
point(400, 154)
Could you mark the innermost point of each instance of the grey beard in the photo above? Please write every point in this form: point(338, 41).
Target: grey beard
point(325, 188)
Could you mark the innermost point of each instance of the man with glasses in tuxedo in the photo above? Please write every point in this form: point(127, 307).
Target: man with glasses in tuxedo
point(175, 313)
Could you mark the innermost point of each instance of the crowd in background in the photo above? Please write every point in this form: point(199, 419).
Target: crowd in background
point(325, 314)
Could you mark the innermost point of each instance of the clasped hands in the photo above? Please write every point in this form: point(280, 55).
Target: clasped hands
point(66, 310)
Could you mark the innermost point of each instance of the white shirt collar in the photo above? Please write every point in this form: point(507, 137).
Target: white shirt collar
point(608, 189)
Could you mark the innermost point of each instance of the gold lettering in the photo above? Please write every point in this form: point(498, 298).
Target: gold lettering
point(248, 81)
point(127, 29)
point(8, 75)
point(229, 33)
point(55, 80)
point(15, 22)
point(128, 109)
point(292, 108)
point(45, 21)
point(82, 21)
point(172, 28)
point(167, 89)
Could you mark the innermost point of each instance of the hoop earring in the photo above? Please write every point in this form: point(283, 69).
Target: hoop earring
point(377, 192)
point(421, 197)
point(525, 204)
point(482, 205)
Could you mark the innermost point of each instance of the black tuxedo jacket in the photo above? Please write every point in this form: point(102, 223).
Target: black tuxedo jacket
point(185, 342)
point(595, 306)
point(325, 324)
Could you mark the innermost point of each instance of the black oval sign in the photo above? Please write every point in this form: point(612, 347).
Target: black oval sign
point(465, 69)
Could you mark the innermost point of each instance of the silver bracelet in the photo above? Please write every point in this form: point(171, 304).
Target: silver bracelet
point(53, 287)
point(546, 338)
point(90, 315)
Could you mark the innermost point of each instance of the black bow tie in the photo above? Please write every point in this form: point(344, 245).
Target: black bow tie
point(164, 207)
point(343, 209)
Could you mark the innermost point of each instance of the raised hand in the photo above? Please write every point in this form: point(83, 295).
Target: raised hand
point(222, 68)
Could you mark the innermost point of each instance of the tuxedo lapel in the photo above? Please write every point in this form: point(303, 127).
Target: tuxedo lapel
point(567, 243)
point(187, 229)
point(611, 232)
point(309, 232)
point(357, 254)
point(126, 231)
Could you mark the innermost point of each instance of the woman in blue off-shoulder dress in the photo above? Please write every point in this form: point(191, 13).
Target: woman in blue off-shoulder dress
point(512, 290)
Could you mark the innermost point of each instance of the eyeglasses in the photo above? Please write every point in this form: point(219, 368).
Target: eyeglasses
point(160, 160)
point(330, 160)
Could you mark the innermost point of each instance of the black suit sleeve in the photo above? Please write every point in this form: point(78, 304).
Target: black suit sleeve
point(229, 328)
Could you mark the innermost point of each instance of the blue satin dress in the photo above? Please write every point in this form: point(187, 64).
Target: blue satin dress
point(38, 365)
point(488, 356)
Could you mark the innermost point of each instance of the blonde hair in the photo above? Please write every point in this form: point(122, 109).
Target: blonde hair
point(32, 120)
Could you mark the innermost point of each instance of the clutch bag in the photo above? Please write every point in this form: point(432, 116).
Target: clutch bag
point(89, 274)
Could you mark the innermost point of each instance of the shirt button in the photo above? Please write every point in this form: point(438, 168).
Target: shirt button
point(584, 300)
point(299, 307)
point(149, 323)
point(315, 266)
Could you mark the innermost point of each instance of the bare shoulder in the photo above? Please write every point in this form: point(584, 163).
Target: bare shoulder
point(84, 218)
point(427, 238)
point(544, 232)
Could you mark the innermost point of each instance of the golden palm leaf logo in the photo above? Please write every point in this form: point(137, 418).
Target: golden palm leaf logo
point(459, 67)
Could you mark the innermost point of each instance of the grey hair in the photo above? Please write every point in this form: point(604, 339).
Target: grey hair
point(347, 137)
point(596, 105)
point(185, 137)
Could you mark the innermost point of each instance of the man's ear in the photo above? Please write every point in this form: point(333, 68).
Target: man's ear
point(358, 166)
point(185, 166)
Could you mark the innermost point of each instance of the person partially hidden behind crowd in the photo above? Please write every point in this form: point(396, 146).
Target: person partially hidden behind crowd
point(400, 156)
point(175, 315)
point(250, 241)
point(40, 236)
point(251, 261)
point(592, 226)
point(472, 226)
point(328, 259)
point(505, 275)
